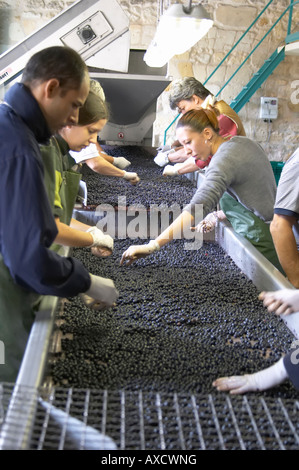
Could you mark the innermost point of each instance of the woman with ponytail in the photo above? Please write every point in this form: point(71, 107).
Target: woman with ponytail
point(239, 170)
point(62, 159)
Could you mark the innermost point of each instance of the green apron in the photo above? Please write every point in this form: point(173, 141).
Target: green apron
point(251, 227)
point(61, 181)
point(17, 306)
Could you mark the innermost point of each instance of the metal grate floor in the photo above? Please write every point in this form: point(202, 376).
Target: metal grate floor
point(133, 420)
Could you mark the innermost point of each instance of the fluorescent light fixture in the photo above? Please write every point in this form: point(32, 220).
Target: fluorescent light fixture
point(179, 28)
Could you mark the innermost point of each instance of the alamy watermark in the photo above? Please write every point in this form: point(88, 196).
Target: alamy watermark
point(295, 354)
point(2, 353)
point(295, 93)
point(138, 221)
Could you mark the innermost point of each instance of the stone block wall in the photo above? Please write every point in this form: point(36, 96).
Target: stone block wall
point(231, 19)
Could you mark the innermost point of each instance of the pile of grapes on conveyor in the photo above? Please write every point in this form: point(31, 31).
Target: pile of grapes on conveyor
point(183, 318)
point(153, 188)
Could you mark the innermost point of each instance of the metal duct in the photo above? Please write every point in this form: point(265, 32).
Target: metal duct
point(132, 99)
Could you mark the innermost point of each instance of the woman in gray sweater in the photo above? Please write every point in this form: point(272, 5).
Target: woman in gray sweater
point(239, 177)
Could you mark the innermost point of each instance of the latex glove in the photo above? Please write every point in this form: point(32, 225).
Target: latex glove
point(100, 239)
point(259, 381)
point(132, 177)
point(139, 251)
point(190, 160)
point(208, 224)
point(101, 294)
point(172, 170)
point(282, 302)
point(161, 158)
point(121, 162)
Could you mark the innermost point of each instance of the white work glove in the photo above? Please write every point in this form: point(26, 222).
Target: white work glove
point(190, 160)
point(161, 158)
point(132, 177)
point(172, 170)
point(208, 223)
point(100, 239)
point(121, 162)
point(259, 381)
point(139, 251)
point(282, 302)
point(101, 294)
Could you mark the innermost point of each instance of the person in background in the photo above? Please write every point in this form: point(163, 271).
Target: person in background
point(62, 178)
point(285, 224)
point(93, 156)
point(62, 181)
point(187, 94)
point(283, 302)
point(54, 86)
point(238, 166)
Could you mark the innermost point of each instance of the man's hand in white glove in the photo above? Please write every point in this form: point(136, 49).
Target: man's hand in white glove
point(282, 302)
point(161, 158)
point(102, 244)
point(133, 178)
point(172, 170)
point(136, 252)
point(259, 381)
point(209, 223)
point(101, 294)
point(121, 162)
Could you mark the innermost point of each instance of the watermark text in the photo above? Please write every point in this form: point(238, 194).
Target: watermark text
point(137, 221)
point(295, 353)
point(2, 353)
point(295, 93)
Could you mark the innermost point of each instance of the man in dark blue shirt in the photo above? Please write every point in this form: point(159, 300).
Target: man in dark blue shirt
point(55, 84)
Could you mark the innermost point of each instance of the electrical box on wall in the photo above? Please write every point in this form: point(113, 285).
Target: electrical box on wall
point(269, 108)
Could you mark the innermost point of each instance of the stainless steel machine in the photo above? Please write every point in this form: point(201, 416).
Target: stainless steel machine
point(99, 31)
point(132, 98)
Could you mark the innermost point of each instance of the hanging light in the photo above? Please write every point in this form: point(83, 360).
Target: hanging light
point(179, 28)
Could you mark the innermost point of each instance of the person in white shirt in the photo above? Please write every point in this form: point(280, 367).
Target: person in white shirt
point(97, 159)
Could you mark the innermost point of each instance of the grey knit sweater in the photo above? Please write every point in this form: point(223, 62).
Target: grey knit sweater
point(240, 167)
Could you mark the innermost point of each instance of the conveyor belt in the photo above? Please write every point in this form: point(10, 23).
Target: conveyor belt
point(140, 420)
point(143, 420)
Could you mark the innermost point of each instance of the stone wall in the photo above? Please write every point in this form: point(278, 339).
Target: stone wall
point(231, 19)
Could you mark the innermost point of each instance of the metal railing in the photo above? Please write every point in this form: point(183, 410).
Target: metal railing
point(258, 44)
